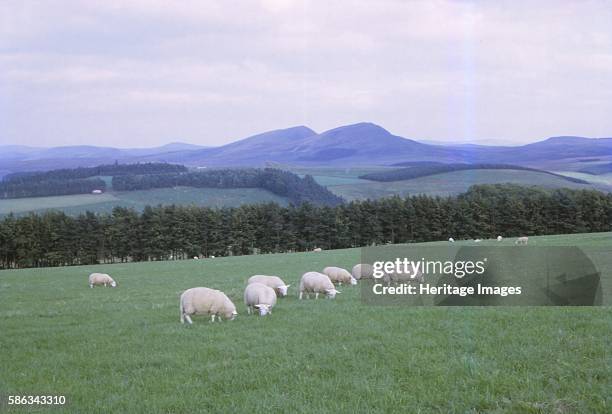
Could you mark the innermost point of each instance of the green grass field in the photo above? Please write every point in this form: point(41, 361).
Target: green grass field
point(341, 181)
point(452, 183)
point(104, 203)
point(124, 350)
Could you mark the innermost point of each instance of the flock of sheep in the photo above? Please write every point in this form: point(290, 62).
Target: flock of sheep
point(519, 240)
point(260, 293)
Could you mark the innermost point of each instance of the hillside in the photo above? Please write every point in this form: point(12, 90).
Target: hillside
point(351, 145)
point(74, 205)
point(373, 353)
point(455, 182)
point(424, 170)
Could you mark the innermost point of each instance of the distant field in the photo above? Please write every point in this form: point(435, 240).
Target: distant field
point(605, 179)
point(451, 183)
point(75, 204)
point(21, 205)
point(347, 172)
point(124, 350)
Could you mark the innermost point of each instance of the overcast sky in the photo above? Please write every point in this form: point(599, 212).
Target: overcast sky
point(141, 73)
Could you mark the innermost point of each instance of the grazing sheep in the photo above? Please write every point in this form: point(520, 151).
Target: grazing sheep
point(400, 277)
point(196, 258)
point(315, 282)
point(317, 249)
point(205, 301)
point(363, 271)
point(499, 238)
point(274, 282)
point(259, 296)
point(522, 240)
point(101, 279)
point(339, 275)
point(450, 239)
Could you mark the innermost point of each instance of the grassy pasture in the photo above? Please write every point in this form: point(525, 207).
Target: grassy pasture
point(124, 350)
point(452, 183)
point(104, 203)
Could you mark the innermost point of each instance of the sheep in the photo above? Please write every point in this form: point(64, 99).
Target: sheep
point(522, 240)
point(201, 300)
point(477, 240)
point(363, 271)
point(450, 239)
point(315, 282)
point(499, 238)
point(101, 279)
point(274, 282)
point(339, 275)
point(317, 249)
point(404, 277)
point(259, 296)
point(196, 258)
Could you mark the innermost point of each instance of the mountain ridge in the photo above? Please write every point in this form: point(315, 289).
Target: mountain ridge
point(363, 143)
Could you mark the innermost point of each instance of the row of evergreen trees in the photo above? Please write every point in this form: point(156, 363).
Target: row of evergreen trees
point(49, 187)
point(130, 177)
point(100, 170)
point(283, 183)
point(164, 232)
point(425, 169)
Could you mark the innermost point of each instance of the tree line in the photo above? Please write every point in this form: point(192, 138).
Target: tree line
point(100, 170)
point(67, 181)
point(130, 177)
point(425, 169)
point(283, 183)
point(178, 232)
point(49, 187)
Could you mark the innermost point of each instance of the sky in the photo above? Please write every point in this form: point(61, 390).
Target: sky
point(145, 73)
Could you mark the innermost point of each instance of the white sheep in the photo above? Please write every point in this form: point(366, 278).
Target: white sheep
point(196, 258)
point(339, 275)
point(205, 301)
point(274, 282)
point(522, 240)
point(259, 296)
point(101, 279)
point(450, 239)
point(404, 277)
point(499, 238)
point(315, 282)
point(363, 271)
point(477, 240)
point(317, 249)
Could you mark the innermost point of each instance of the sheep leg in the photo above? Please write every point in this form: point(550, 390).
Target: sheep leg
point(212, 317)
point(188, 318)
point(317, 295)
point(248, 310)
point(91, 285)
point(301, 293)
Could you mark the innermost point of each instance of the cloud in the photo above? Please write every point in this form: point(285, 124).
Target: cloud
point(212, 71)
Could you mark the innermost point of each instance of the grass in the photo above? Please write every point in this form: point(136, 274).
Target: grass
point(104, 203)
point(123, 350)
point(450, 183)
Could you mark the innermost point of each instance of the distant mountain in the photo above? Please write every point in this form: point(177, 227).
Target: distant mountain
point(351, 145)
point(251, 151)
point(15, 158)
point(359, 143)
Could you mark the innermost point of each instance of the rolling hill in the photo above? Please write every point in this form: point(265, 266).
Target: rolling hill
point(451, 183)
point(364, 144)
